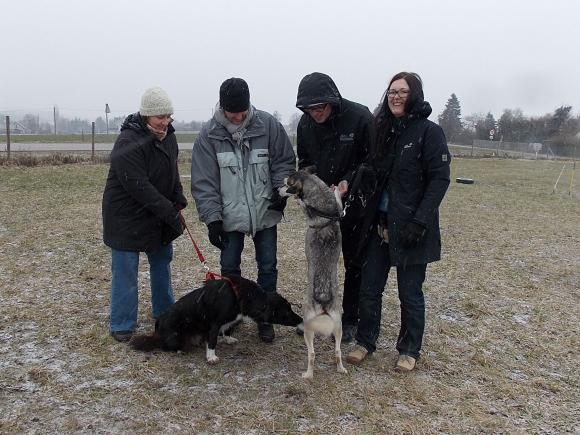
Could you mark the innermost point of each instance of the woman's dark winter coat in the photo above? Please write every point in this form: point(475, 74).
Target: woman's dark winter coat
point(143, 192)
point(413, 166)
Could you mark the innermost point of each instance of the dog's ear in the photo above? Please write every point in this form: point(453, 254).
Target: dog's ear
point(310, 169)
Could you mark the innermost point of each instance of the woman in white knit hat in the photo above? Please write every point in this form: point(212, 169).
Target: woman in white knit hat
point(141, 204)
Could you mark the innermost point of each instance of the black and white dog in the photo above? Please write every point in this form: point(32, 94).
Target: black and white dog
point(322, 206)
point(215, 308)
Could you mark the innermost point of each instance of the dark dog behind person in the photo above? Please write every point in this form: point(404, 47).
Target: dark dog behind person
point(412, 162)
point(141, 204)
point(335, 135)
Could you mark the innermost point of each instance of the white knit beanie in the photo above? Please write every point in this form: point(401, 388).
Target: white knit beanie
point(154, 102)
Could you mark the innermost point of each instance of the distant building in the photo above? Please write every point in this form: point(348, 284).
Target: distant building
point(15, 127)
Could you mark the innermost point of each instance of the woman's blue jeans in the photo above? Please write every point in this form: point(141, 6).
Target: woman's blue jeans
point(375, 272)
point(124, 286)
point(265, 244)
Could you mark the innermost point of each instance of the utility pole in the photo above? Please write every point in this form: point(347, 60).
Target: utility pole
point(8, 137)
point(54, 117)
point(107, 111)
point(93, 141)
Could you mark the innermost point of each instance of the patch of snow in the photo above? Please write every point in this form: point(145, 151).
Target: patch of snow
point(404, 409)
point(517, 375)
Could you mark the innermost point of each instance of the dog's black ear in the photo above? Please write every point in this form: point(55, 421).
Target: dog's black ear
point(292, 190)
point(312, 169)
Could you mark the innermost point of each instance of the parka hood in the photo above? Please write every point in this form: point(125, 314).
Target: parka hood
point(317, 88)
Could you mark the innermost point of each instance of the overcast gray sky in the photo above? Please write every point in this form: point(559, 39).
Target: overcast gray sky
point(492, 54)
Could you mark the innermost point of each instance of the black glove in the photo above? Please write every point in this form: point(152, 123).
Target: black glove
point(412, 234)
point(216, 234)
point(278, 202)
point(178, 205)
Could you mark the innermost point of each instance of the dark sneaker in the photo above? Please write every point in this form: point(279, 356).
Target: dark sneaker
point(348, 333)
point(266, 332)
point(122, 336)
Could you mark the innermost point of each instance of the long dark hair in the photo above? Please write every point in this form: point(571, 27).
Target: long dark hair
point(384, 117)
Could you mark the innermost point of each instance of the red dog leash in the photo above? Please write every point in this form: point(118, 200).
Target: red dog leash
point(209, 275)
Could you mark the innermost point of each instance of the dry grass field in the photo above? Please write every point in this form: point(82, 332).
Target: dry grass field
point(500, 351)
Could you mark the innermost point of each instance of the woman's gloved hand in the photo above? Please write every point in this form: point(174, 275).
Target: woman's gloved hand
point(412, 234)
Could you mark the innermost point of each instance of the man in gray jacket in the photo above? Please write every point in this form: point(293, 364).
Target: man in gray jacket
point(239, 161)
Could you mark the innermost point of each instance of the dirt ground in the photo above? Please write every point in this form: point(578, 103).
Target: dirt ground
point(500, 352)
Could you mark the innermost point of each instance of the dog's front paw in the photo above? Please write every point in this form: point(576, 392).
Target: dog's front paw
point(210, 356)
point(212, 359)
point(307, 374)
point(341, 369)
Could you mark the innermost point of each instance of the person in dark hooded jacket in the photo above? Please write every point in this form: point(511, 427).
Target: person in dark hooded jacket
point(402, 224)
point(335, 135)
point(141, 203)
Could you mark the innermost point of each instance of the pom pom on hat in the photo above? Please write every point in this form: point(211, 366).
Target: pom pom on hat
point(155, 102)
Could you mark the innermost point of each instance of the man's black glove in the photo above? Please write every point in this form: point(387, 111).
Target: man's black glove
point(278, 202)
point(412, 234)
point(216, 234)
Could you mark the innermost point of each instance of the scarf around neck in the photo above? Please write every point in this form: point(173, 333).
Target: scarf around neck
point(159, 134)
point(237, 131)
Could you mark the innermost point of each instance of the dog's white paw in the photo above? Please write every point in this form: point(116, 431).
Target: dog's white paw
point(307, 374)
point(227, 339)
point(210, 356)
point(212, 359)
point(341, 369)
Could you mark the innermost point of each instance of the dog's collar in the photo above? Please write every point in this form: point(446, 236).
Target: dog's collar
point(236, 288)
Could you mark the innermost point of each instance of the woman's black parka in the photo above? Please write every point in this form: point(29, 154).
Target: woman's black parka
point(413, 167)
point(143, 192)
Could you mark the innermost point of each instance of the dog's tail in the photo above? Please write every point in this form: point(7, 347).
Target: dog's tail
point(322, 324)
point(146, 343)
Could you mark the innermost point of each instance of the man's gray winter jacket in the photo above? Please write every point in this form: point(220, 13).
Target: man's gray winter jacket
point(234, 182)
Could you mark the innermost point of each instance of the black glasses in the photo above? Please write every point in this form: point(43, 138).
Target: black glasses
point(319, 108)
point(401, 93)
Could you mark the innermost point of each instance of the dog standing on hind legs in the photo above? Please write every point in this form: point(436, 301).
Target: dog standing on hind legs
point(322, 307)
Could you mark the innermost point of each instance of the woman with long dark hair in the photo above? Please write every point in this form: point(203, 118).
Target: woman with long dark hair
point(412, 163)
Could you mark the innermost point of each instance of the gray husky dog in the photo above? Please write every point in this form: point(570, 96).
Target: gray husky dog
point(322, 307)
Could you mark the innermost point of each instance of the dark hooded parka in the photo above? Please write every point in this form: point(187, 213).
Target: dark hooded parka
point(143, 191)
point(413, 167)
point(342, 142)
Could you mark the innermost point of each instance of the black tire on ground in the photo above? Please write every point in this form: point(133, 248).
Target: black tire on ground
point(464, 180)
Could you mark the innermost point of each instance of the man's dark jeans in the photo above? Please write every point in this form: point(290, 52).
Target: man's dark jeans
point(265, 243)
point(375, 272)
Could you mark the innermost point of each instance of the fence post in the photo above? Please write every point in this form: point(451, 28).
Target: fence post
point(93, 141)
point(7, 137)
